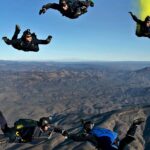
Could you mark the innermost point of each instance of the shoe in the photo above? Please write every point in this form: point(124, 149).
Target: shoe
point(18, 29)
point(84, 9)
point(6, 40)
point(138, 121)
point(91, 3)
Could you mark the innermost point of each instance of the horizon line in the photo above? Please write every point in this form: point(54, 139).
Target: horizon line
point(76, 61)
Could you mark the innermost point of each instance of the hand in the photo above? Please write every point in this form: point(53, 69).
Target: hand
point(65, 133)
point(49, 37)
point(42, 11)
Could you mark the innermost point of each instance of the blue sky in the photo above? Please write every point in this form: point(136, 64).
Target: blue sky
point(105, 33)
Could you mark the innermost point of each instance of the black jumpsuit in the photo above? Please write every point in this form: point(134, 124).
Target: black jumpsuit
point(144, 30)
point(72, 10)
point(22, 44)
point(104, 143)
point(26, 134)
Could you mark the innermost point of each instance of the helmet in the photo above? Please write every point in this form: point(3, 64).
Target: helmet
point(27, 32)
point(147, 18)
point(44, 121)
point(88, 126)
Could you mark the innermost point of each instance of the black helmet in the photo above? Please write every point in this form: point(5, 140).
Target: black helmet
point(147, 18)
point(44, 121)
point(88, 125)
point(27, 32)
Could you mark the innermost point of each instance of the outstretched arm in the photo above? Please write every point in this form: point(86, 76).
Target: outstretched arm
point(80, 138)
point(135, 18)
point(48, 6)
point(47, 41)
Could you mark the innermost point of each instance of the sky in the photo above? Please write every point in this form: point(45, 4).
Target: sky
point(105, 33)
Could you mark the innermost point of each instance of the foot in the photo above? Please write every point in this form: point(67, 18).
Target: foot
point(84, 9)
point(91, 3)
point(138, 121)
point(42, 11)
point(17, 29)
point(6, 40)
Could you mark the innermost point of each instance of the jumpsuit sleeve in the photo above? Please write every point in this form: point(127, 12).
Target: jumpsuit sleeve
point(136, 19)
point(52, 5)
point(81, 137)
point(40, 41)
point(58, 130)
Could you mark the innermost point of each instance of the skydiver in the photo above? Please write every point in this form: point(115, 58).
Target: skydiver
point(71, 9)
point(27, 130)
point(143, 27)
point(28, 41)
point(104, 139)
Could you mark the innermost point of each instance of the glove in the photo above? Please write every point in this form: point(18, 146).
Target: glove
point(42, 11)
point(65, 133)
point(130, 13)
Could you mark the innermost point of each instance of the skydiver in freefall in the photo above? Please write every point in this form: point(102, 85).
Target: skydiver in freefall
point(28, 41)
point(143, 27)
point(28, 130)
point(69, 8)
point(102, 138)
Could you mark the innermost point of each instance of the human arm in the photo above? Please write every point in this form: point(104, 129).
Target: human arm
point(135, 18)
point(46, 41)
point(48, 6)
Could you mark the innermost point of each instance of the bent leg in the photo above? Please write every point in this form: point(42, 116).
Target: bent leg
point(105, 143)
point(3, 123)
point(130, 136)
point(138, 34)
point(17, 31)
point(7, 40)
point(125, 141)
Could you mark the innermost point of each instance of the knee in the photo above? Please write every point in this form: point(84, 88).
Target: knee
point(138, 35)
point(5, 128)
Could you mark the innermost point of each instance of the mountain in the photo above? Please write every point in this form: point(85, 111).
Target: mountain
point(107, 93)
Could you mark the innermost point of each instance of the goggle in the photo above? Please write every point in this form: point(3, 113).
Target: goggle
point(28, 36)
point(90, 126)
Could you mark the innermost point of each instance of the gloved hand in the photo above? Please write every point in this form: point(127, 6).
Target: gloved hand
point(130, 13)
point(49, 39)
point(65, 133)
point(42, 11)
